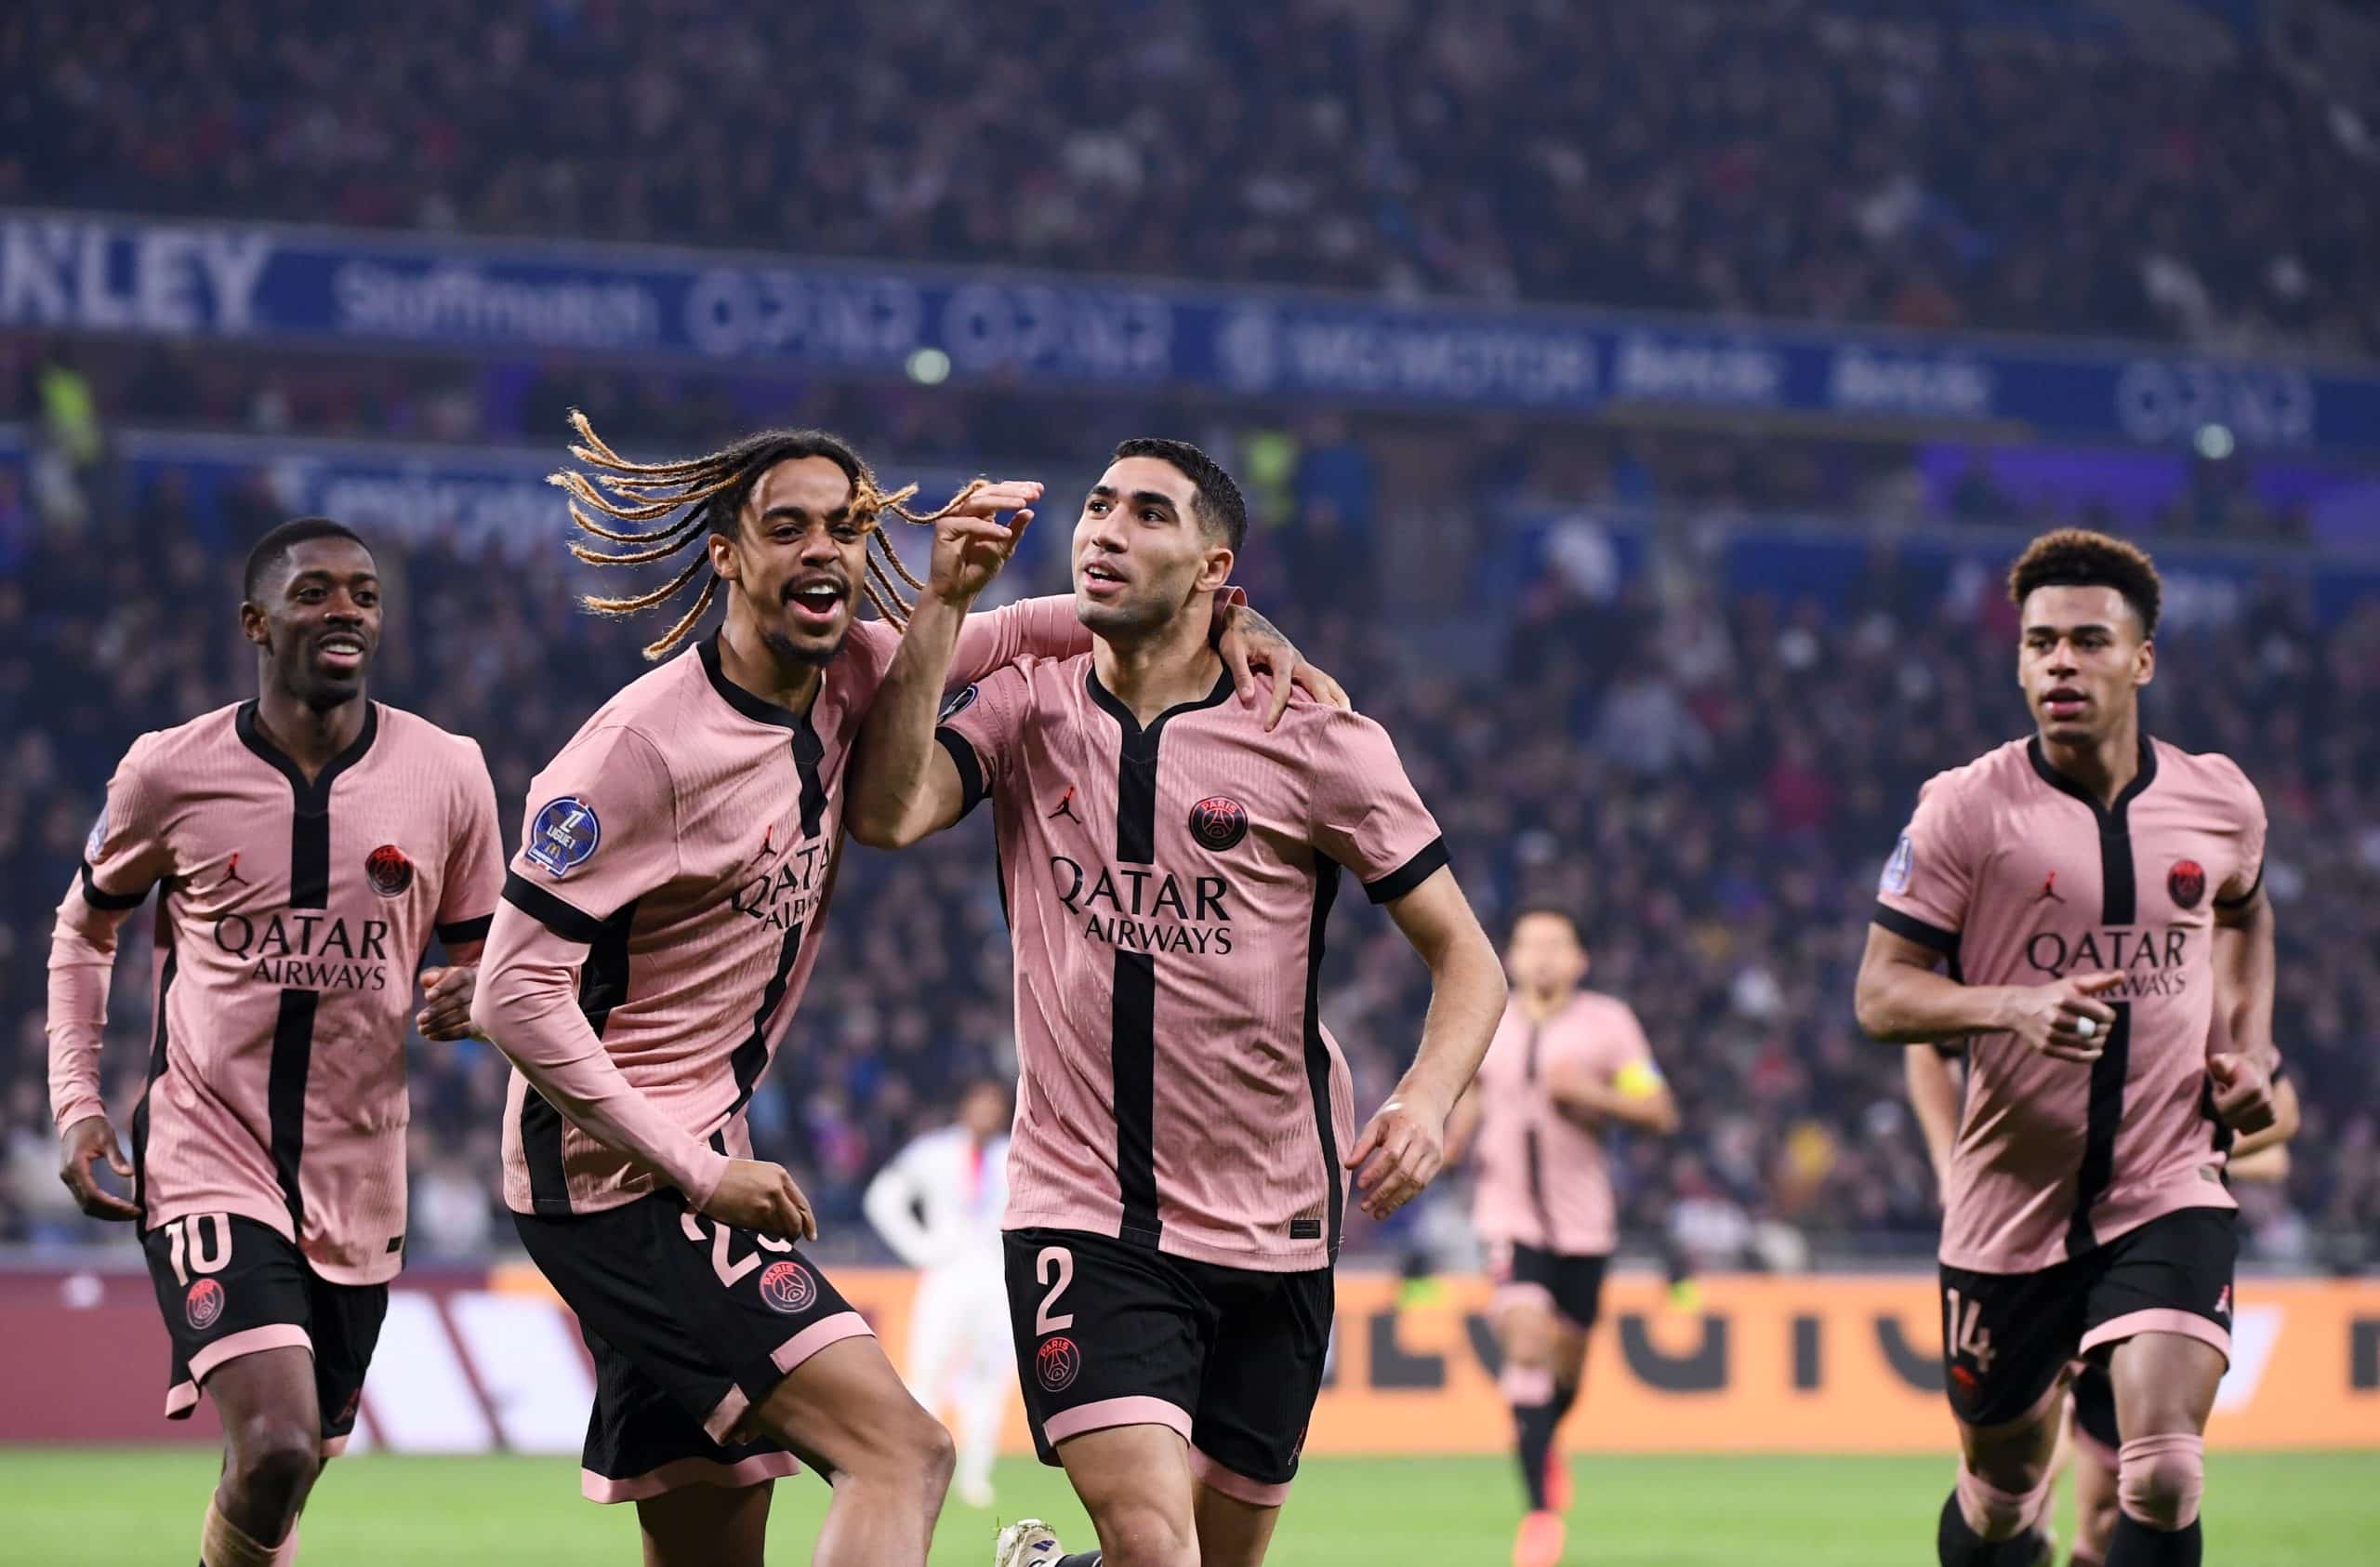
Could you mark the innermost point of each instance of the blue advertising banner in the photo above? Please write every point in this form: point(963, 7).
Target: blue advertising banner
point(266, 284)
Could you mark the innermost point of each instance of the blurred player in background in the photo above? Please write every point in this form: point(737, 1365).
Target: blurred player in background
point(1184, 1122)
point(938, 1205)
point(657, 930)
point(1567, 1063)
point(2094, 1439)
point(2098, 899)
point(307, 846)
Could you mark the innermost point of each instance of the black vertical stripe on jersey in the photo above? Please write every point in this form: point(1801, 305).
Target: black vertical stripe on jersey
point(309, 888)
point(1132, 1019)
point(2118, 905)
point(751, 1057)
point(1535, 1144)
point(1317, 1053)
point(140, 1111)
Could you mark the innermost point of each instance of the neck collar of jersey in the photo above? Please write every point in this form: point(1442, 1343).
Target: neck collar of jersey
point(2109, 816)
point(318, 787)
point(759, 709)
point(1118, 709)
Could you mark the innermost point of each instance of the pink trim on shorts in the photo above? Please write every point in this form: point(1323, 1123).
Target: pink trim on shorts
point(181, 1399)
point(1107, 1414)
point(2161, 1318)
point(724, 1418)
point(683, 1472)
point(818, 1335)
point(334, 1446)
point(1232, 1483)
point(248, 1341)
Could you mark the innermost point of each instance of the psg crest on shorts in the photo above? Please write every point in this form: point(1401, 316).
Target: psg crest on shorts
point(203, 1304)
point(2187, 883)
point(787, 1287)
point(563, 835)
point(1057, 1364)
point(1217, 823)
point(389, 871)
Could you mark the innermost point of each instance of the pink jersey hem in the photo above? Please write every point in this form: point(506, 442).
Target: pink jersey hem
point(1232, 1483)
point(1107, 1414)
point(2159, 1318)
point(683, 1472)
point(274, 1215)
point(817, 1337)
point(1306, 1257)
point(248, 1341)
point(2198, 1196)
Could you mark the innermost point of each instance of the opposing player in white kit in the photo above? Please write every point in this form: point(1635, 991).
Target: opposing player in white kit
point(938, 1205)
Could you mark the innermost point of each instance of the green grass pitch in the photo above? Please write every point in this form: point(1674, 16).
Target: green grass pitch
point(97, 1508)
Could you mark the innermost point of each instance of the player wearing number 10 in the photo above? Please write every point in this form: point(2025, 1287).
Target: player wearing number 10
point(1184, 1123)
point(306, 847)
point(2096, 898)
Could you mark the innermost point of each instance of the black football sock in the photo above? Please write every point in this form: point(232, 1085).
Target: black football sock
point(1956, 1545)
point(1533, 1424)
point(2137, 1545)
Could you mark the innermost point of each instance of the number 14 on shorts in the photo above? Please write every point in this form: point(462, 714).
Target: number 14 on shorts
point(1963, 1331)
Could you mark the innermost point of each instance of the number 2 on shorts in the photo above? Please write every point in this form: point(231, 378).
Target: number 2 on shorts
point(1055, 1262)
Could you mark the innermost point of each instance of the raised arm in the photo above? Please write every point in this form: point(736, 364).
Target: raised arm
point(1467, 994)
point(1903, 999)
point(903, 784)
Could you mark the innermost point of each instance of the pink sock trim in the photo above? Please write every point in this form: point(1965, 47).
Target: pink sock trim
point(2001, 1515)
point(2149, 1464)
point(1525, 1385)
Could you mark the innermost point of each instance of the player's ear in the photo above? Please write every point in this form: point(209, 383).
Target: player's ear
point(725, 561)
point(1214, 569)
point(254, 625)
point(2145, 666)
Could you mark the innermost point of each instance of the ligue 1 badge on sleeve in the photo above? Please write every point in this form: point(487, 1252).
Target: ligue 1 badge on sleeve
point(98, 841)
point(1900, 868)
point(563, 836)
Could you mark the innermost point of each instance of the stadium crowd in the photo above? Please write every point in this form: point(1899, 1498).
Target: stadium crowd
point(1984, 163)
point(1712, 784)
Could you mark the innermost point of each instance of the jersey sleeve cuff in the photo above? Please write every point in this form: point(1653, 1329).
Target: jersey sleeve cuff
point(1914, 929)
point(99, 897)
point(571, 925)
point(970, 766)
point(1412, 873)
point(79, 1110)
point(2247, 898)
point(459, 931)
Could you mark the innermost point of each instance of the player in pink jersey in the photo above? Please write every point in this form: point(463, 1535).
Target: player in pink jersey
point(306, 848)
point(1184, 1123)
point(2094, 1438)
point(1566, 1063)
point(657, 930)
point(2097, 898)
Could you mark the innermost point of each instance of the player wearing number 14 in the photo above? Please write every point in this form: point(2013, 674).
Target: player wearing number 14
point(2096, 898)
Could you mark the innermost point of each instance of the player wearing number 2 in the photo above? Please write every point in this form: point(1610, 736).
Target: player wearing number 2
point(2096, 898)
point(1184, 1123)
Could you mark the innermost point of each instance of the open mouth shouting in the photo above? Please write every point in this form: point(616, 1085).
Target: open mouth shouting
point(816, 601)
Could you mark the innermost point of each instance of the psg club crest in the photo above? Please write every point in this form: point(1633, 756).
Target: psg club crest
point(389, 871)
point(1057, 1364)
point(98, 838)
point(2187, 883)
point(1217, 823)
point(204, 1305)
point(563, 836)
point(787, 1287)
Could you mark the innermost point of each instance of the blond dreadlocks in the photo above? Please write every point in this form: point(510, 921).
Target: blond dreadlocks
point(691, 499)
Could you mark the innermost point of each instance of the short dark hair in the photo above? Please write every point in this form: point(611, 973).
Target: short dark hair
point(1563, 913)
point(1221, 509)
point(2079, 558)
point(274, 548)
